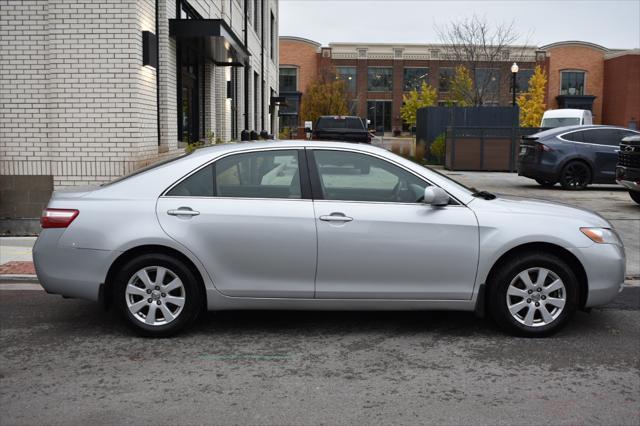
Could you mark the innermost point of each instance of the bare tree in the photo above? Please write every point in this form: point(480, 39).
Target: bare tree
point(486, 51)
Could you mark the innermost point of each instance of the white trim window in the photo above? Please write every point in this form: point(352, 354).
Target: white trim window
point(573, 82)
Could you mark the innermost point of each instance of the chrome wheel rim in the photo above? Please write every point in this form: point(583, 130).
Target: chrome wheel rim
point(536, 297)
point(155, 295)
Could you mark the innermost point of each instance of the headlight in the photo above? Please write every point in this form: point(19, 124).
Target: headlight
point(602, 235)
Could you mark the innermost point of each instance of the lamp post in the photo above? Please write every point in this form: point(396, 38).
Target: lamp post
point(514, 71)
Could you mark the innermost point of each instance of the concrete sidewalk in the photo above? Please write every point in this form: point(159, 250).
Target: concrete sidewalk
point(16, 261)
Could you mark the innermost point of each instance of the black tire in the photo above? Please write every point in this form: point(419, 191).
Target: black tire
point(635, 196)
point(546, 183)
point(190, 291)
point(575, 175)
point(499, 285)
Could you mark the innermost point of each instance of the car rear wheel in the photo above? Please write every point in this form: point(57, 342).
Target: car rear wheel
point(533, 295)
point(546, 183)
point(635, 196)
point(157, 294)
point(575, 176)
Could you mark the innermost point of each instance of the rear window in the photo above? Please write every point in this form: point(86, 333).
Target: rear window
point(340, 123)
point(561, 121)
point(146, 168)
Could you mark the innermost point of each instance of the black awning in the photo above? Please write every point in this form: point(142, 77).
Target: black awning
point(220, 44)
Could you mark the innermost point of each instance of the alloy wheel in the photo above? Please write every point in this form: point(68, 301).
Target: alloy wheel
point(576, 175)
point(536, 297)
point(155, 295)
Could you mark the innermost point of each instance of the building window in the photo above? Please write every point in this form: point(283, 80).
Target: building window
point(288, 80)
point(379, 115)
point(572, 83)
point(256, 10)
point(380, 79)
point(414, 77)
point(487, 81)
point(348, 75)
point(522, 80)
point(186, 11)
point(445, 75)
point(273, 37)
point(256, 99)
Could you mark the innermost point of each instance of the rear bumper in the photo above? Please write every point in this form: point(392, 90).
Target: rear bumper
point(605, 266)
point(69, 271)
point(537, 171)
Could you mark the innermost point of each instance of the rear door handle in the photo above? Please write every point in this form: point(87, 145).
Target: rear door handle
point(336, 217)
point(183, 211)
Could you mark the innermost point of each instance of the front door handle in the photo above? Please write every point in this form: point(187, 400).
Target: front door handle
point(336, 217)
point(183, 211)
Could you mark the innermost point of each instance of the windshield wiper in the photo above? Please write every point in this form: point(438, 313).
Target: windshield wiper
point(483, 194)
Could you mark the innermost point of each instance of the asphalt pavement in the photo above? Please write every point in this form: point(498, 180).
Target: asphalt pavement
point(68, 362)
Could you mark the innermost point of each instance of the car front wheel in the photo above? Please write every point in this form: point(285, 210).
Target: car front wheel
point(635, 196)
point(157, 294)
point(533, 295)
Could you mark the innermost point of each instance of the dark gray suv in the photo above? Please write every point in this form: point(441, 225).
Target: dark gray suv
point(575, 156)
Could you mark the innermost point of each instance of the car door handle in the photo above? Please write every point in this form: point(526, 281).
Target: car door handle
point(336, 217)
point(183, 212)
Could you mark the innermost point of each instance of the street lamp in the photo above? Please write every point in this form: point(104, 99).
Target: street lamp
point(514, 71)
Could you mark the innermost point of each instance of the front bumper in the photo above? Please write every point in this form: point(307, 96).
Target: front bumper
point(69, 271)
point(628, 177)
point(605, 266)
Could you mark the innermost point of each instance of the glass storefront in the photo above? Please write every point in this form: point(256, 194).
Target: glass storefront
point(379, 115)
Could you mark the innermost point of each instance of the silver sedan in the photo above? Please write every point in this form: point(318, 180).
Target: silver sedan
point(321, 225)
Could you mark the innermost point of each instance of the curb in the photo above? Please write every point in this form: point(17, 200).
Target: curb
point(19, 278)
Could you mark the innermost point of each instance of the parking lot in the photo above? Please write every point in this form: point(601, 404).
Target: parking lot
point(69, 362)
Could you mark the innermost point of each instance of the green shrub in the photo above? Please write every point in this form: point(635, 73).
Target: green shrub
point(438, 147)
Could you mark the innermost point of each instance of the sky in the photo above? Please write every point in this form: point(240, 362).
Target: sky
point(610, 23)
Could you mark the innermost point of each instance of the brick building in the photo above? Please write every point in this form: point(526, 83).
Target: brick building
point(378, 75)
point(580, 75)
point(92, 90)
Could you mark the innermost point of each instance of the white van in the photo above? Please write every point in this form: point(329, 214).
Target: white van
point(566, 117)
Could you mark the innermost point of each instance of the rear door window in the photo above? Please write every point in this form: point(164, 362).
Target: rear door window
point(267, 174)
point(574, 136)
point(199, 184)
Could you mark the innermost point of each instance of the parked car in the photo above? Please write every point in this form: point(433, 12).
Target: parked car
point(566, 117)
point(575, 156)
point(628, 169)
point(299, 225)
point(341, 128)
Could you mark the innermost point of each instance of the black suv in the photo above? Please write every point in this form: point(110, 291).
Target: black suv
point(628, 170)
point(575, 156)
point(341, 128)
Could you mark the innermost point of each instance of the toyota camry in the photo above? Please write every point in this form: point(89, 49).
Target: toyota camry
point(325, 226)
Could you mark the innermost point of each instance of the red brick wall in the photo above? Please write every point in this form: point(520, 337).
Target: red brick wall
point(621, 100)
point(583, 58)
point(302, 55)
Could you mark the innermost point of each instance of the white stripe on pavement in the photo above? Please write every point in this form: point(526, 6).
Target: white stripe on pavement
point(25, 286)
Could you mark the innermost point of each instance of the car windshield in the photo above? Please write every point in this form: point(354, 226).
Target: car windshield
point(560, 121)
point(340, 123)
point(146, 168)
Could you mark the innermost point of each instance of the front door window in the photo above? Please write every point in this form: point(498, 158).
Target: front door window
point(350, 176)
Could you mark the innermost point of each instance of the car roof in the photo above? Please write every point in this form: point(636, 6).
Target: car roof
point(557, 130)
point(276, 143)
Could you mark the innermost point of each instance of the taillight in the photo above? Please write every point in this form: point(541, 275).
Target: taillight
point(543, 148)
point(58, 218)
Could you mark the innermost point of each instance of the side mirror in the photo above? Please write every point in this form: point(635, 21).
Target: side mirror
point(435, 196)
